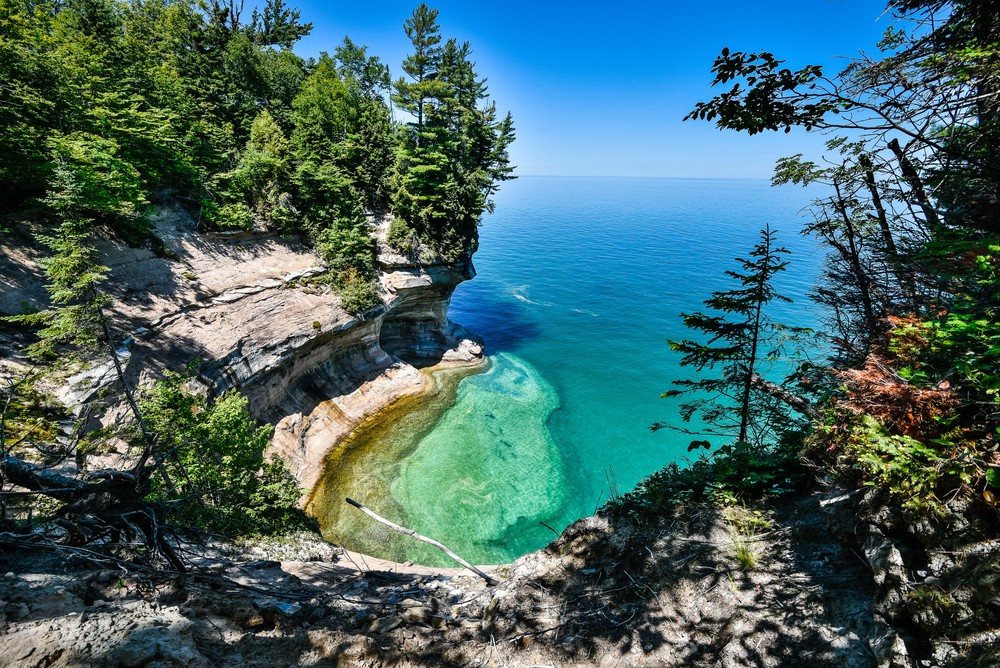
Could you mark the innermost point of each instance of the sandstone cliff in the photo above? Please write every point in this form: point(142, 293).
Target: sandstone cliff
point(250, 309)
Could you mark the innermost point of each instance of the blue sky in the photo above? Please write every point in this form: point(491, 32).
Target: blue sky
point(600, 88)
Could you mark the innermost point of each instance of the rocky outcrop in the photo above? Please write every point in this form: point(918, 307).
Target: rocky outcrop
point(608, 592)
point(251, 310)
point(937, 579)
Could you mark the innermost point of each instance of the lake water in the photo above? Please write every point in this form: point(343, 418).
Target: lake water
point(580, 284)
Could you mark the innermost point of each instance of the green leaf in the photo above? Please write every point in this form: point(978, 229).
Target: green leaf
point(699, 444)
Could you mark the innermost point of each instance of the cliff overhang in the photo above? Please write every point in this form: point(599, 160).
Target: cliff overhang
point(250, 312)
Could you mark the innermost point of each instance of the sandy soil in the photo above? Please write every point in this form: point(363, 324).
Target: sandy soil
point(607, 593)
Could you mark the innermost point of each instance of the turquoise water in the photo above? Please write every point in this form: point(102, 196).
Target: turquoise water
point(580, 283)
point(491, 462)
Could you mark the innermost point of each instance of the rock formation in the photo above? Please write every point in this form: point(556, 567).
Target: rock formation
point(251, 309)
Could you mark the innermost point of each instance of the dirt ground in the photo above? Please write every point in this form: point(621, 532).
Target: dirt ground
point(705, 587)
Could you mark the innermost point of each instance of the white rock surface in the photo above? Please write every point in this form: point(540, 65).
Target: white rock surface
point(252, 310)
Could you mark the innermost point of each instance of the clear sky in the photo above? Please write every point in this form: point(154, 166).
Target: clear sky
point(600, 88)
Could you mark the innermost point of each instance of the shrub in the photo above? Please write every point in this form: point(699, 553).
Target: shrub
point(231, 216)
point(358, 292)
point(400, 236)
point(734, 473)
point(214, 456)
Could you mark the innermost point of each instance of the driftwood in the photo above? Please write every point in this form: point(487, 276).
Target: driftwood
point(430, 541)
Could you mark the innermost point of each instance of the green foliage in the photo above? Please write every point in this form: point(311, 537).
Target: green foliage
point(913, 472)
point(743, 342)
point(370, 153)
point(910, 221)
point(934, 84)
point(179, 98)
point(760, 454)
point(260, 181)
point(73, 316)
point(745, 555)
point(321, 113)
point(347, 245)
point(417, 95)
point(26, 98)
point(961, 342)
point(26, 413)
point(91, 179)
point(736, 472)
point(349, 251)
point(400, 236)
point(229, 216)
point(358, 292)
point(455, 153)
point(747, 522)
point(768, 102)
point(214, 455)
point(277, 25)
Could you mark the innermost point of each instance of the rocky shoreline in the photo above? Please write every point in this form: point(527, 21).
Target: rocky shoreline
point(248, 309)
point(843, 578)
point(606, 593)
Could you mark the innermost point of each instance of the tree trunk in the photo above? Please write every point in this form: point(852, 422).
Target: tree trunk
point(892, 254)
point(912, 179)
point(110, 499)
point(854, 259)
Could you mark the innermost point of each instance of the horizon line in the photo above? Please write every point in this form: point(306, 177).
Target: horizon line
point(632, 176)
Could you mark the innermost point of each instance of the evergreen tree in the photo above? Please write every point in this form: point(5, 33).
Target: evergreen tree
point(277, 25)
point(416, 95)
point(455, 153)
point(370, 147)
point(263, 172)
point(369, 75)
point(742, 341)
point(27, 108)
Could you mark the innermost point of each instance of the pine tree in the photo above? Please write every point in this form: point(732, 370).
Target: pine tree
point(452, 157)
point(741, 340)
point(421, 66)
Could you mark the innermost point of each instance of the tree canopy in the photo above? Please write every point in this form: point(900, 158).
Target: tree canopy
point(110, 107)
point(151, 99)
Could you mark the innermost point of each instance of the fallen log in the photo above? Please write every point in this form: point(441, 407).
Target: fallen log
point(115, 499)
point(430, 541)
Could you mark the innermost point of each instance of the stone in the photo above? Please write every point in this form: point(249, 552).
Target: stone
point(385, 624)
point(884, 558)
point(890, 651)
point(417, 616)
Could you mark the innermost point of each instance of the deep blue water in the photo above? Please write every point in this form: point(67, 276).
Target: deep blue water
point(580, 284)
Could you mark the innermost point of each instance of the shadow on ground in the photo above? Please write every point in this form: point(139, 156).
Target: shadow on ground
point(607, 593)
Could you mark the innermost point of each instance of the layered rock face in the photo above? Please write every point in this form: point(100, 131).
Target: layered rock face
point(248, 309)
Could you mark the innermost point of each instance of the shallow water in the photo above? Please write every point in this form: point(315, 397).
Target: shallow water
point(580, 284)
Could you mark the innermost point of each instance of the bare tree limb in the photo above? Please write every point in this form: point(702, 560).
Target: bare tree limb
point(796, 403)
point(430, 541)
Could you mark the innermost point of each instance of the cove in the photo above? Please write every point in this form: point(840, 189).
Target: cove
point(472, 463)
point(580, 284)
